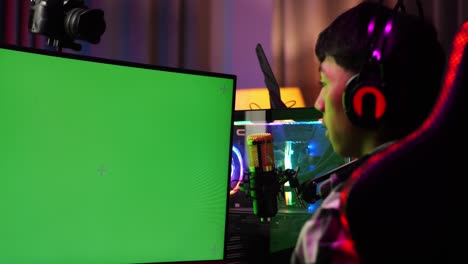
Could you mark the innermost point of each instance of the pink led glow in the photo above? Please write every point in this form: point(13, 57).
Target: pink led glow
point(376, 54)
point(371, 27)
point(388, 28)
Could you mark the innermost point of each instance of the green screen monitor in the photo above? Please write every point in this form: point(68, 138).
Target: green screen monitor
point(105, 161)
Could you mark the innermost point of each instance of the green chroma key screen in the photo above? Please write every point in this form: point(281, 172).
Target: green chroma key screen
point(110, 162)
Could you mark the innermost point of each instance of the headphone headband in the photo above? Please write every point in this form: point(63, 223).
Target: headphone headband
point(365, 98)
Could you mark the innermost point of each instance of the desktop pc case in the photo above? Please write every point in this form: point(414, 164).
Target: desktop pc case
point(299, 142)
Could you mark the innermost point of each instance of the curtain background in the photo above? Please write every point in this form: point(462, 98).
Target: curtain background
point(296, 25)
point(221, 35)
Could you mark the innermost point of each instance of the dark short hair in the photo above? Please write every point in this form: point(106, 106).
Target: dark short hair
point(413, 64)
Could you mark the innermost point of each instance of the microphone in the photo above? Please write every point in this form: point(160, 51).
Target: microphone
point(263, 179)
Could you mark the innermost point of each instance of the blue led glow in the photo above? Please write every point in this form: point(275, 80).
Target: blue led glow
point(312, 148)
point(311, 208)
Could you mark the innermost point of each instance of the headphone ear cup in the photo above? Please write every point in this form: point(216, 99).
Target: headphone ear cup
point(364, 102)
point(347, 95)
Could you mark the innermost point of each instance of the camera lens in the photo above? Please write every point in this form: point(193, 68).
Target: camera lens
point(85, 24)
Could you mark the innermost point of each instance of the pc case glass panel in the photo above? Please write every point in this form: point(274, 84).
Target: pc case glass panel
point(299, 143)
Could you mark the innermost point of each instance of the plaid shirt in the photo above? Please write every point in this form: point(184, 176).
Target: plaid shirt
point(324, 237)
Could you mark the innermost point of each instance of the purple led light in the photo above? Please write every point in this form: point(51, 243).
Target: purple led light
point(239, 158)
point(371, 27)
point(376, 54)
point(388, 27)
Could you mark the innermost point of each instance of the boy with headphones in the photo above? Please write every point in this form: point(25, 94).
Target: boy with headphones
point(381, 71)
